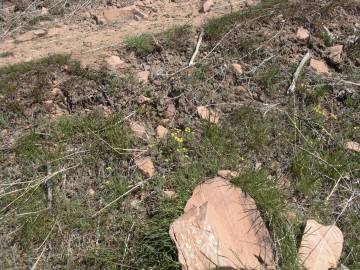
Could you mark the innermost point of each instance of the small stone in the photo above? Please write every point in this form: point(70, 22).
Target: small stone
point(136, 204)
point(161, 131)
point(40, 32)
point(142, 99)
point(251, 3)
point(113, 14)
point(206, 5)
point(26, 36)
point(58, 111)
point(170, 111)
point(44, 11)
point(104, 111)
point(352, 146)
point(237, 68)
point(100, 20)
point(169, 194)
point(319, 66)
point(321, 246)
point(143, 76)
point(302, 34)
point(91, 192)
point(114, 61)
point(227, 174)
point(146, 166)
point(207, 114)
point(56, 92)
point(138, 129)
point(258, 165)
point(335, 53)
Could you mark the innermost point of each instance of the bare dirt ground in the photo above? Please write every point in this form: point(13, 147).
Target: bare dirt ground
point(91, 35)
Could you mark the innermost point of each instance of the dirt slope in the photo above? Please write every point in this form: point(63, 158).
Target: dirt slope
point(98, 31)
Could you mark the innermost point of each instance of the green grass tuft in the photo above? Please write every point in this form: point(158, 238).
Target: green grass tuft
point(141, 45)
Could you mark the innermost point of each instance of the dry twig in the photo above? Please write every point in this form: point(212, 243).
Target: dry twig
point(201, 35)
point(292, 87)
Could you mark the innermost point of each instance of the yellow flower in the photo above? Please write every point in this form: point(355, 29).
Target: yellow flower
point(319, 110)
point(179, 139)
point(152, 145)
point(187, 130)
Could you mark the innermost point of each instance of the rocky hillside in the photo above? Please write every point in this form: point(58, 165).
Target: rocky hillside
point(135, 135)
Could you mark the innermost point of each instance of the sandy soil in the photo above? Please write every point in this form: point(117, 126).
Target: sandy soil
point(97, 32)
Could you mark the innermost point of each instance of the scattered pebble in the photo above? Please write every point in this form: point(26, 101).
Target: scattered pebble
point(91, 192)
point(169, 194)
point(352, 146)
point(207, 114)
point(206, 5)
point(251, 3)
point(170, 111)
point(319, 66)
point(44, 11)
point(142, 99)
point(227, 174)
point(335, 53)
point(114, 62)
point(143, 76)
point(161, 131)
point(237, 68)
point(40, 32)
point(138, 129)
point(146, 166)
point(302, 34)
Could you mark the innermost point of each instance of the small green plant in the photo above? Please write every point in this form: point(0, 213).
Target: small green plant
point(6, 54)
point(175, 36)
point(38, 19)
point(142, 45)
point(43, 63)
point(326, 38)
point(201, 73)
point(217, 27)
point(269, 79)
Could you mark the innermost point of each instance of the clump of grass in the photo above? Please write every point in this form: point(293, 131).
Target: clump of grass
point(142, 45)
point(6, 54)
point(201, 73)
point(35, 20)
point(217, 27)
point(280, 219)
point(57, 10)
point(326, 38)
point(269, 79)
point(3, 119)
point(43, 64)
point(314, 95)
point(175, 37)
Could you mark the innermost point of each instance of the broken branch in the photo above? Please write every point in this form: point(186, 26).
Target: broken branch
point(306, 58)
point(197, 48)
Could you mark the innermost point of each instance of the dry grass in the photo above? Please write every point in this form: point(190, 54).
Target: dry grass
point(56, 173)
